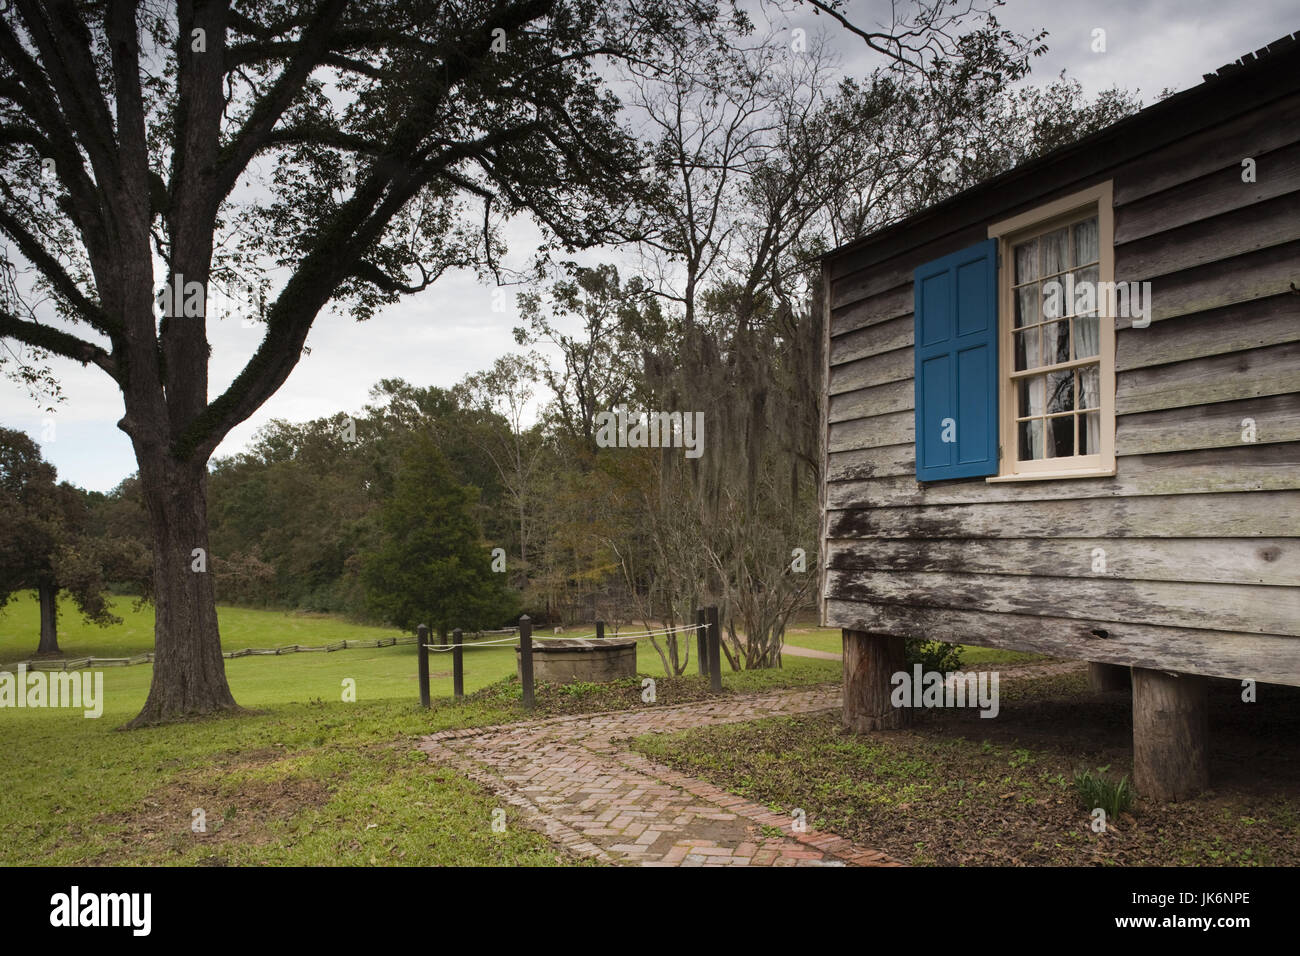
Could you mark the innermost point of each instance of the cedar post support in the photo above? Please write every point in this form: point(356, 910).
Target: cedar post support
point(715, 652)
point(526, 659)
point(458, 664)
point(870, 660)
point(1108, 676)
point(702, 640)
point(422, 666)
point(1170, 735)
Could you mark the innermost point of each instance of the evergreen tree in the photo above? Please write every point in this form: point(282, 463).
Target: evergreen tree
point(432, 566)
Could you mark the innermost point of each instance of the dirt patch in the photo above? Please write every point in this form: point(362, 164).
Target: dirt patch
point(233, 810)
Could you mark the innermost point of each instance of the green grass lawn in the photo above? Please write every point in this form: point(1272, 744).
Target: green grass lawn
point(829, 639)
point(304, 779)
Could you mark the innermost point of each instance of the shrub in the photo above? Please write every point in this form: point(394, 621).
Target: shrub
point(933, 655)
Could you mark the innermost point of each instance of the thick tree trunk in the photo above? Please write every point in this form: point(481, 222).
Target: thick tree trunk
point(189, 674)
point(870, 661)
point(49, 595)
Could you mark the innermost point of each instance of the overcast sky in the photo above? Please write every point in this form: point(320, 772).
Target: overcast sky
point(439, 336)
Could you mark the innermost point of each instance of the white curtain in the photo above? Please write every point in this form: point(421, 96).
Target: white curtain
point(1088, 342)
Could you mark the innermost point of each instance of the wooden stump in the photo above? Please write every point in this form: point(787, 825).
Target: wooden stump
point(1170, 735)
point(870, 660)
point(1108, 676)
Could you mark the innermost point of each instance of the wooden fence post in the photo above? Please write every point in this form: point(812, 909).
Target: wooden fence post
point(702, 640)
point(526, 659)
point(715, 652)
point(422, 638)
point(600, 630)
point(457, 664)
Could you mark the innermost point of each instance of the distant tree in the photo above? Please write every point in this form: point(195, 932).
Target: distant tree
point(432, 566)
point(44, 546)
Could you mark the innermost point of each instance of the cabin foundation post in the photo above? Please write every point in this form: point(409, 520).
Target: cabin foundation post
point(870, 660)
point(1108, 676)
point(1170, 735)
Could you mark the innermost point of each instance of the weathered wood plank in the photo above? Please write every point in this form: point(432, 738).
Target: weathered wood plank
point(1222, 425)
point(1257, 561)
point(1234, 233)
point(1277, 173)
point(1235, 328)
point(1269, 658)
point(872, 280)
point(878, 400)
point(1258, 514)
point(1223, 146)
point(895, 429)
point(866, 462)
point(873, 340)
point(1221, 378)
point(890, 304)
point(1258, 275)
point(877, 370)
point(1222, 607)
point(1258, 467)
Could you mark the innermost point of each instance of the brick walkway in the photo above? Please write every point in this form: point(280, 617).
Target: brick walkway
point(574, 779)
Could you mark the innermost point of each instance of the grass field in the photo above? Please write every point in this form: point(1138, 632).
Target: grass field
point(305, 779)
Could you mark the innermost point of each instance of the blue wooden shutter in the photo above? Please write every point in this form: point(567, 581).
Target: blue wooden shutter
point(957, 364)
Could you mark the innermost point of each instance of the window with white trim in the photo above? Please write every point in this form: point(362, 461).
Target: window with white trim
point(1057, 339)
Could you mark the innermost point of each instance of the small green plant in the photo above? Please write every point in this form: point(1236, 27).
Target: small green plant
point(933, 655)
point(1098, 790)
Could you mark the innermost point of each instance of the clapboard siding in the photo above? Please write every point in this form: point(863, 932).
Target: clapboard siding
point(1222, 425)
point(1200, 526)
point(891, 304)
point(1217, 653)
point(877, 400)
point(1254, 134)
point(1249, 608)
point(1256, 373)
point(1234, 233)
point(1257, 467)
point(1277, 174)
point(1234, 328)
point(1258, 561)
point(1257, 514)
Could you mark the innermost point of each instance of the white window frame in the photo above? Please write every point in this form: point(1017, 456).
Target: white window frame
point(1008, 232)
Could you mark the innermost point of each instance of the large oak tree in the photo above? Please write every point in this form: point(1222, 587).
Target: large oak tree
point(134, 142)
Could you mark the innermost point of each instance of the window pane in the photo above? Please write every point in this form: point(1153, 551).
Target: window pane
point(1031, 396)
point(1090, 386)
point(1085, 291)
point(1027, 305)
point(1056, 251)
point(1026, 261)
point(1031, 439)
point(1090, 434)
point(1056, 342)
point(1027, 349)
point(1085, 242)
point(1087, 337)
point(1060, 437)
point(1060, 391)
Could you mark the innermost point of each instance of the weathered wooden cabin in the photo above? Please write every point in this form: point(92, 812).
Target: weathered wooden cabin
point(1112, 481)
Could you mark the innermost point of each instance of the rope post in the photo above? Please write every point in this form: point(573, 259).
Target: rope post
point(422, 637)
point(701, 641)
point(600, 630)
point(526, 659)
point(457, 664)
point(715, 652)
